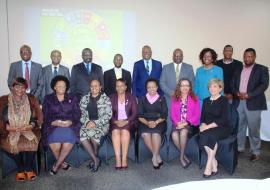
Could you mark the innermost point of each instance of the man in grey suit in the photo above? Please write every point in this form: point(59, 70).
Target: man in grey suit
point(29, 70)
point(83, 73)
point(52, 70)
point(170, 75)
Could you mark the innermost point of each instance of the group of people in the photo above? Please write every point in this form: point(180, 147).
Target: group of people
point(155, 101)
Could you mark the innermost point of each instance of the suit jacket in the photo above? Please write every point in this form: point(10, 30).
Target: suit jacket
point(140, 76)
point(110, 80)
point(257, 84)
point(36, 78)
point(193, 111)
point(168, 78)
point(130, 106)
point(48, 76)
point(80, 79)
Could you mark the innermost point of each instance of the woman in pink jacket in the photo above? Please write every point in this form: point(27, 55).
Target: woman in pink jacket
point(185, 112)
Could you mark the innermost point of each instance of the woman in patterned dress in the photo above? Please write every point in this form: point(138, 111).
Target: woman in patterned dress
point(96, 114)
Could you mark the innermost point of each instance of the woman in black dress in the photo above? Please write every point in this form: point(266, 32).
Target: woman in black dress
point(153, 112)
point(214, 124)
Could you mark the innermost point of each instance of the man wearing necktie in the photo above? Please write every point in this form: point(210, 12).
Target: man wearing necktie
point(52, 70)
point(83, 73)
point(144, 69)
point(31, 71)
point(115, 73)
point(168, 79)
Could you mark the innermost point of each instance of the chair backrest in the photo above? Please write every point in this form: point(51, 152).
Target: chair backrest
point(233, 118)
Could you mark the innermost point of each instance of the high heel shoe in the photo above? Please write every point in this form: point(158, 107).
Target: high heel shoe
point(214, 173)
point(67, 166)
point(96, 166)
point(52, 171)
point(118, 167)
point(160, 163)
point(207, 176)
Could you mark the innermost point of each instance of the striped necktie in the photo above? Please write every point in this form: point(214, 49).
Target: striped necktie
point(147, 67)
point(55, 71)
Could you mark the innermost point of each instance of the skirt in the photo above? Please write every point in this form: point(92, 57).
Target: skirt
point(62, 135)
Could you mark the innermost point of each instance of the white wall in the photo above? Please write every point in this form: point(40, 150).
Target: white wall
point(165, 25)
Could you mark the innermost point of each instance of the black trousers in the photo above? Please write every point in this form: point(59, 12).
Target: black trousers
point(23, 160)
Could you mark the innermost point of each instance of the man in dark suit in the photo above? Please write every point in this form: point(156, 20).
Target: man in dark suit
point(52, 70)
point(144, 69)
point(117, 72)
point(248, 86)
point(170, 75)
point(31, 71)
point(83, 73)
point(229, 65)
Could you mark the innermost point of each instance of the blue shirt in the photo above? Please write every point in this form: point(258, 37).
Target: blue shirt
point(90, 66)
point(149, 65)
point(203, 76)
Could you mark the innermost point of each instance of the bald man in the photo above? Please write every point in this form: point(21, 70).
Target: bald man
point(144, 69)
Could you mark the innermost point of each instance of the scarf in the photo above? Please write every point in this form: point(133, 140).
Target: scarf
point(19, 114)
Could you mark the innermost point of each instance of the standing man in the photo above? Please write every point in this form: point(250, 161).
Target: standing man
point(144, 69)
point(171, 73)
point(229, 65)
point(52, 70)
point(83, 73)
point(117, 72)
point(248, 86)
point(29, 70)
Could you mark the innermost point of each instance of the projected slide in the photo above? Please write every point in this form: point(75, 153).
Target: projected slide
point(105, 32)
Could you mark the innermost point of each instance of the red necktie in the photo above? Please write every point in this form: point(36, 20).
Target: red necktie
point(27, 76)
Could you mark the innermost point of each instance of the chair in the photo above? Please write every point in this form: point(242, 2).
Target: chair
point(143, 153)
point(227, 148)
point(131, 150)
point(8, 164)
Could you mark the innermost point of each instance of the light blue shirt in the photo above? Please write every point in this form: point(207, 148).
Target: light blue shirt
point(149, 64)
point(90, 66)
point(203, 76)
point(29, 67)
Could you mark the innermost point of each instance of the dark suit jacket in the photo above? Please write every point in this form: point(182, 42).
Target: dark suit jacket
point(36, 78)
point(140, 76)
point(131, 109)
point(48, 76)
point(257, 84)
point(110, 80)
point(80, 79)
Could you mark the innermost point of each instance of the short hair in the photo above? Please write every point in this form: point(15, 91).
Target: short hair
point(20, 81)
point(227, 46)
point(25, 46)
point(60, 78)
point(250, 50)
point(217, 81)
point(204, 51)
point(86, 49)
point(121, 80)
point(55, 51)
point(151, 80)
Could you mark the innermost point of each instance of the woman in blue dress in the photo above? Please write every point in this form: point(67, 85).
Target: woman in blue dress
point(61, 122)
point(206, 72)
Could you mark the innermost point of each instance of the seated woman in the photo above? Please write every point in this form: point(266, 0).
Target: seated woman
point(96, 114)
point(185, 112)
point(20, 118)
point(153, 112)
point(124, 119)
point(61, 122)
point(214, 124)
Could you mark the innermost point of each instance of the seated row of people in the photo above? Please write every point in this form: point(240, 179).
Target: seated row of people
point(67, 121)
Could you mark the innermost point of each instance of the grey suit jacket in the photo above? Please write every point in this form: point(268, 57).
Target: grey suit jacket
point(48, 76)
point(168, 80)
point(36, 78)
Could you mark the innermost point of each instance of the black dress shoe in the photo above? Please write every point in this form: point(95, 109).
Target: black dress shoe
point(214, 173)
point(207, 176)
point(96, 166)
point(160, 164)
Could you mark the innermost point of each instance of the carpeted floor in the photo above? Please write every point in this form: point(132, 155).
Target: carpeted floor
point(138, 176)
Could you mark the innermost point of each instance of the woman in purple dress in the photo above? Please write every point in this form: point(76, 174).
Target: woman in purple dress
point(61, 122)
point(124, 119)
